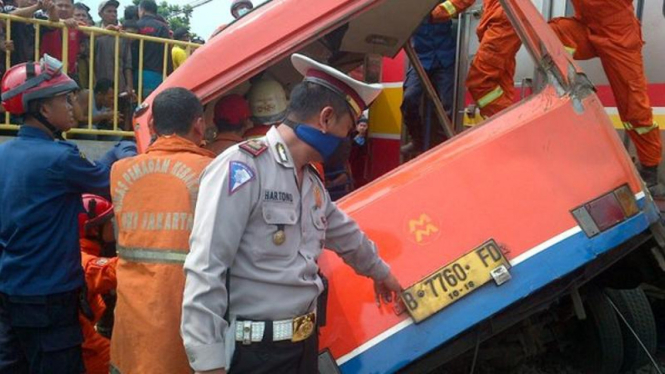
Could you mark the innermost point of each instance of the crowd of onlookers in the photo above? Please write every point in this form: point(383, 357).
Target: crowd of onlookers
point(142, 19)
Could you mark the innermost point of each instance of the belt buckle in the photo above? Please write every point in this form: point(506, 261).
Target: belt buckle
point(303, 326)
point(246, 332)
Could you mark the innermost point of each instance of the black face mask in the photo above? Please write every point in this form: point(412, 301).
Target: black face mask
point(341, 154)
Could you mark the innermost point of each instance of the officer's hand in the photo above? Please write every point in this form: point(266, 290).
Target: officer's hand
point(387, 289)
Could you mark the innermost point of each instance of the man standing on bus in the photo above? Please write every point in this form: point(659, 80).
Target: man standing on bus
point(611, 31)
point(241, 7)
point(436, 46)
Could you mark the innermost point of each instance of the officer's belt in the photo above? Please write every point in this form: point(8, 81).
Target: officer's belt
point(159, 256)
point(295, 329)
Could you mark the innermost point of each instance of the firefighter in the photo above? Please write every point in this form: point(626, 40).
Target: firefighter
point(231, 119)
point(267, 100)
point(490, 80)
point(262, 220)
point(154, 195)
point(98, 261)
point(241, 7)
point(609, 30)
point(41, 182)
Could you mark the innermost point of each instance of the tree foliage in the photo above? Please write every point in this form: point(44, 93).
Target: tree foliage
point(176, 15)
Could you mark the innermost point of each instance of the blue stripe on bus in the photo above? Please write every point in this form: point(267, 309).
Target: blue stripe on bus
point(405, 346)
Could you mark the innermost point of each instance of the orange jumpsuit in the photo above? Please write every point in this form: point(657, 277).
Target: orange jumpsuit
point(154, 195)
point(609, 30)
point(223, 141)
point(491, 75)
point(100, 279)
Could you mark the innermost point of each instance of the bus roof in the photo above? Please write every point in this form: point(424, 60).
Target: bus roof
point(338, 32)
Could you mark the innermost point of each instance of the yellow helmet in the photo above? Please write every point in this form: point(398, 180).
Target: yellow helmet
point(267, 100)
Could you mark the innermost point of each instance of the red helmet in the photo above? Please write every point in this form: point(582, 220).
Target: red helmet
point(98, 211)
point(232, 109)
point(29, 81)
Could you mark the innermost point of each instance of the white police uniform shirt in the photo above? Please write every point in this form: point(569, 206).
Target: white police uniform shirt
point(251, 217)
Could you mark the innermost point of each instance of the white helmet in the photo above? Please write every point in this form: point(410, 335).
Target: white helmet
point(267, 101)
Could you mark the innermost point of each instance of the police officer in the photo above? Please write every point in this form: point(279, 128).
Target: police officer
point(41, 182)
point(262, 219)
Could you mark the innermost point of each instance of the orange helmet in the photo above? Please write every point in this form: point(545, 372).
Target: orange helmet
point(97, 211)
point(30, 81)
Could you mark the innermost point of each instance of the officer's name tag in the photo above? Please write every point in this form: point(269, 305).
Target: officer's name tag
point(277, 196)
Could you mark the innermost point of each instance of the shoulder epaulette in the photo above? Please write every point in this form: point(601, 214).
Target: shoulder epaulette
point(254, 147)
point(316, 172)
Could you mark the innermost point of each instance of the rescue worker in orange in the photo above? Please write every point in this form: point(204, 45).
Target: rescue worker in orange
point(490, 81)
point(231, 119)
point(267, 101)
point(609, 30)
point(96, 232)
point(154, 195)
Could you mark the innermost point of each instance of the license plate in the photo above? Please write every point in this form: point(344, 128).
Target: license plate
point(453, 281)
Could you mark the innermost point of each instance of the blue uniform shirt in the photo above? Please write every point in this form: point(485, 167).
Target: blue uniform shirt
point(41, 182)
point(435, 44)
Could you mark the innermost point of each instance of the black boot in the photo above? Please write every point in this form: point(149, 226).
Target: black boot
point(415, 146)
point(650, 176)
point(411, 148)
